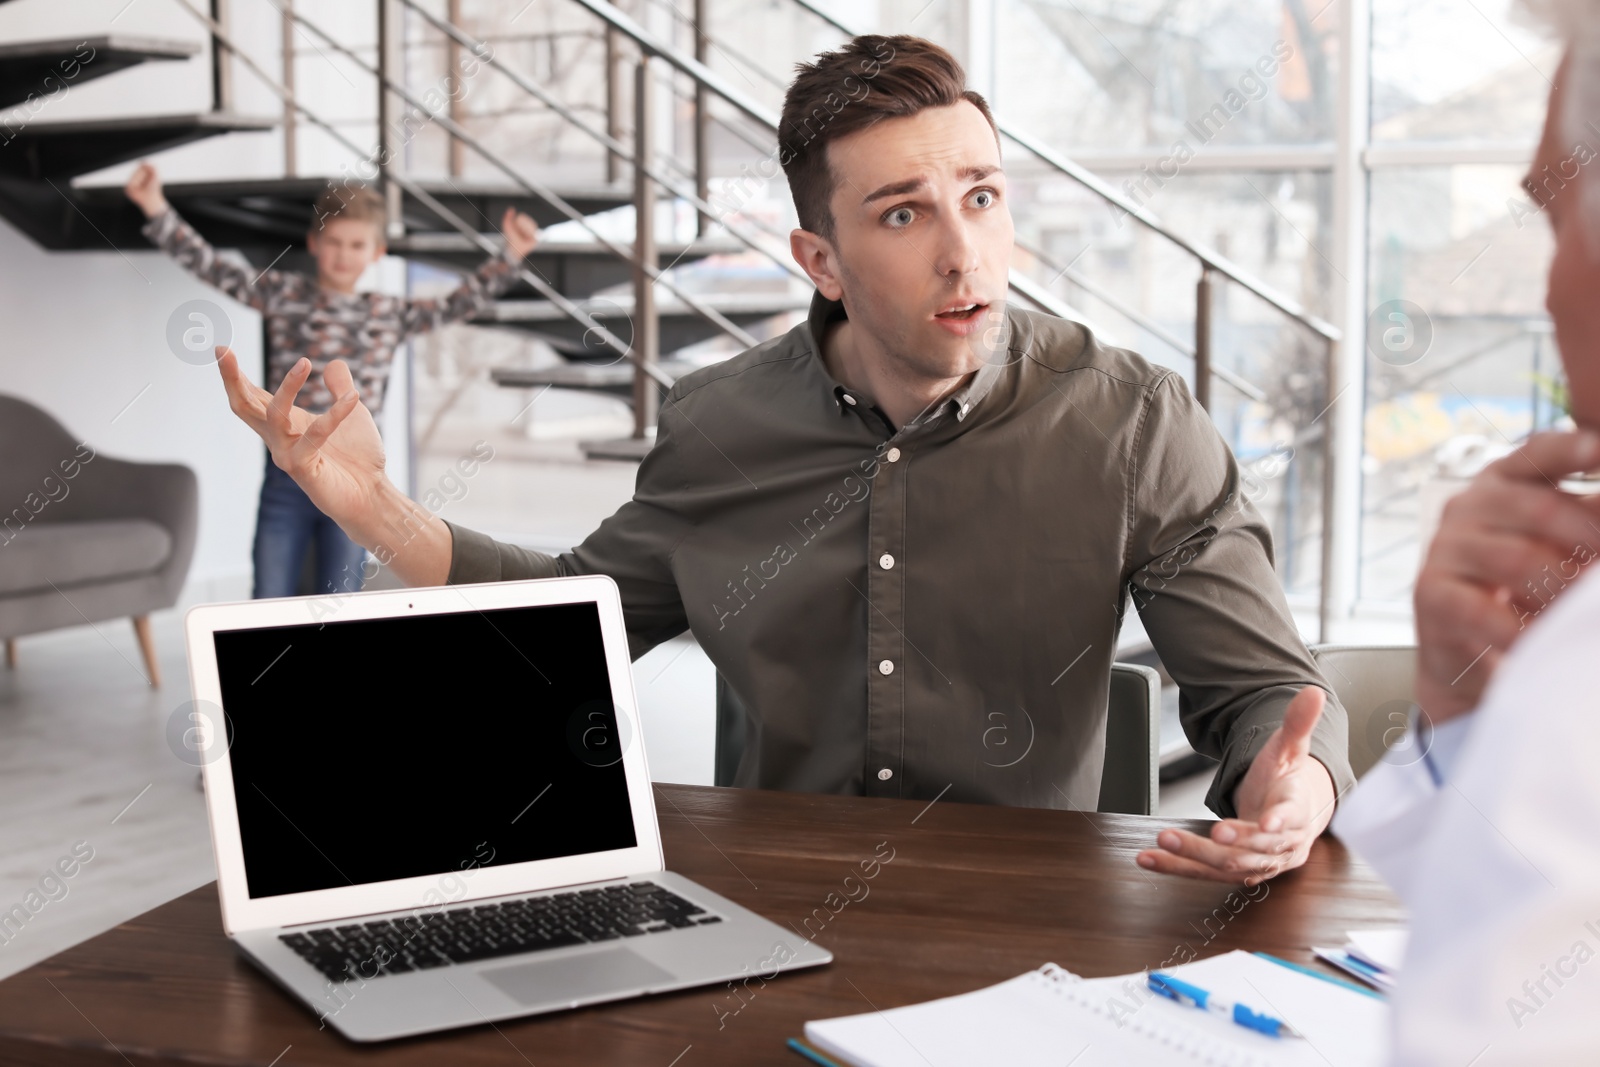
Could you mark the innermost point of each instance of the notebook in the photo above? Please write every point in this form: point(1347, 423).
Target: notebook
point(1373, 956)
point(1052, 1017)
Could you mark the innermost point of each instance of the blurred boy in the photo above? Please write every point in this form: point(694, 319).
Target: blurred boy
point(322, 320)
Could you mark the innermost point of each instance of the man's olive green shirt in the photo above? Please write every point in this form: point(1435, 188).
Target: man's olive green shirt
point(933, 609)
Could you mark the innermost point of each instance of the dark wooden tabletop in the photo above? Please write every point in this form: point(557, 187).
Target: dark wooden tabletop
point(972, 896)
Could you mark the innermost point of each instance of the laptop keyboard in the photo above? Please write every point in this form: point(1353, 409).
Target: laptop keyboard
point(461, 935)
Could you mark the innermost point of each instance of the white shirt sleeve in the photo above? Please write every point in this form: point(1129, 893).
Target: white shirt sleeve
point(1494, 845)
point(1388, 812)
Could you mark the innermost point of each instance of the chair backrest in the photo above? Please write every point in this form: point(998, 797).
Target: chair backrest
point(1131, 780)
point(32, 443)
point(1374, 683)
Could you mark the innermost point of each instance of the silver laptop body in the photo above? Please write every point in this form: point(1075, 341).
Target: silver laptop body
point(431, 808)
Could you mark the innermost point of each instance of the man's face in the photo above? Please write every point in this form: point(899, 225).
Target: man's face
point(344, 248)
point(922, 239)
point(1575, 269)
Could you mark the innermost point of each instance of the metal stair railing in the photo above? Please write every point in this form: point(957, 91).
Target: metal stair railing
point(539, 284)
point(1208, 257)
point(611, 144)
point(1212, 263)
point(533, 186)
point(649, 44)
point(1032, 292)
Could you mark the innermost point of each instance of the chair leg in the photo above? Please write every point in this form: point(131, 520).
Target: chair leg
point(11, 652)
point(147, 648)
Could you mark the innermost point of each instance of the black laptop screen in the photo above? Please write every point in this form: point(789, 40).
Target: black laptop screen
point(374, 749)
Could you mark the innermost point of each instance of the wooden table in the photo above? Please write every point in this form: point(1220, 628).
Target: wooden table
point(972, 896)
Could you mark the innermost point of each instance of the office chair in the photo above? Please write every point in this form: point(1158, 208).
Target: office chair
point(1130, 783)
point(1374, 683)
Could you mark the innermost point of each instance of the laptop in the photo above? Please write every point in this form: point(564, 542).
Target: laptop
point(431, 808)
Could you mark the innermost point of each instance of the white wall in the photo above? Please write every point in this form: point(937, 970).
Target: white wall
point(82, 334)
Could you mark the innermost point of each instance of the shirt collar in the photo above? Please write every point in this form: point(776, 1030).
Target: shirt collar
point(960, 403)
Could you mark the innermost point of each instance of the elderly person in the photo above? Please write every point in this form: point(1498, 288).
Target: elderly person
point(1492, 836)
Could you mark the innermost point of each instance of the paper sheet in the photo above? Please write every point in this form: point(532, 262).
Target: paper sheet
point(1111, 1022)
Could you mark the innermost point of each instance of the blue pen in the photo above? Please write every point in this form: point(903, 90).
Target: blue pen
point(1195, 997)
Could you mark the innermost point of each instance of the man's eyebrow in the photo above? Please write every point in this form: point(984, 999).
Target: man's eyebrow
point(973, 173)
point(899, 188)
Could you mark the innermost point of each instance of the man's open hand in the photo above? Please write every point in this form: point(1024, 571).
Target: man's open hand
point(1284, 801)
point(336, 457)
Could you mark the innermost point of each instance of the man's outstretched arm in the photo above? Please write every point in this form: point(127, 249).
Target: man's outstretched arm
point(337, 458)
point(1204, 584)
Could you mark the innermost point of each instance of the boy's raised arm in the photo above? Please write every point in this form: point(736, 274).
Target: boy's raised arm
point(479, 288)
point(178, 239)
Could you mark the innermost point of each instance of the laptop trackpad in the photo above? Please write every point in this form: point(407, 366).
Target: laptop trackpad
point(616, 970)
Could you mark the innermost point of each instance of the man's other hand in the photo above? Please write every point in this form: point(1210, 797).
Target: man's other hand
point(1506, 546)
point(1284, 801)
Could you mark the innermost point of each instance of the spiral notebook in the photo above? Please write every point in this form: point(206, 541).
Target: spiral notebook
point(1052, 1017)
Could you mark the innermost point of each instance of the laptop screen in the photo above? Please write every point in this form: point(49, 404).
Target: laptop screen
point(374, 749)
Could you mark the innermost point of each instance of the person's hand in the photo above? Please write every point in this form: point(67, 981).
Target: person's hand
point(336, 457)
point(1506, 546)
point(1284, 801)
point(144, 189)
point(522, 233)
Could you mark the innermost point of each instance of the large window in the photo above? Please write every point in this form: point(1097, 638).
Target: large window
point(1461, 361)
point(1224, 118)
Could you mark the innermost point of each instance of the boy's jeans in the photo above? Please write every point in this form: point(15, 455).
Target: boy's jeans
point(287, 524)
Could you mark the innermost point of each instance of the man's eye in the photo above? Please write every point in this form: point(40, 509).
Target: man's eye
point(900, 216)
point(983, 198)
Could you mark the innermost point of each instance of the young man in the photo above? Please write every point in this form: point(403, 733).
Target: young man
point(917, 519)
point(1484, 819)
point(322, 320)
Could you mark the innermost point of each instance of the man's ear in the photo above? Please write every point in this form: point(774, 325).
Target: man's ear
point(379, 250)
point(312, 240)
point(818, 258)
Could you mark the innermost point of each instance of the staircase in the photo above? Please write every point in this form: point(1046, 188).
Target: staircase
point(265, 219)
point(617, 309)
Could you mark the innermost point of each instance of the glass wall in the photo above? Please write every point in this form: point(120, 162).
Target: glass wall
point(1461, 363)
point(1219, 116)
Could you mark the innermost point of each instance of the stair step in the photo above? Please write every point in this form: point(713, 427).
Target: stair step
point(63, 150)
point(614, 378)
point(44, 68)
point(482, 203)
point(577, 269)
point(258, 216)
point(680, 325)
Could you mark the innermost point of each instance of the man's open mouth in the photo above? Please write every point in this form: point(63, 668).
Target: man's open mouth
point(962, 313)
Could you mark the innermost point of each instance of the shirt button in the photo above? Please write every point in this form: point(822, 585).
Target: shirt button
point(848, 399)
point(885, 774)
point(886, 561)
point(893, 455)
point(886, 666)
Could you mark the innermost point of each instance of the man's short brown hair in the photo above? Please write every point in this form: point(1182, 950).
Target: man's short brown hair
point(351, 201)
point(868, 80)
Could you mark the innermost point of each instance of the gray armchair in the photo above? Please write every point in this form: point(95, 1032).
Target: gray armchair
point(84, 537)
